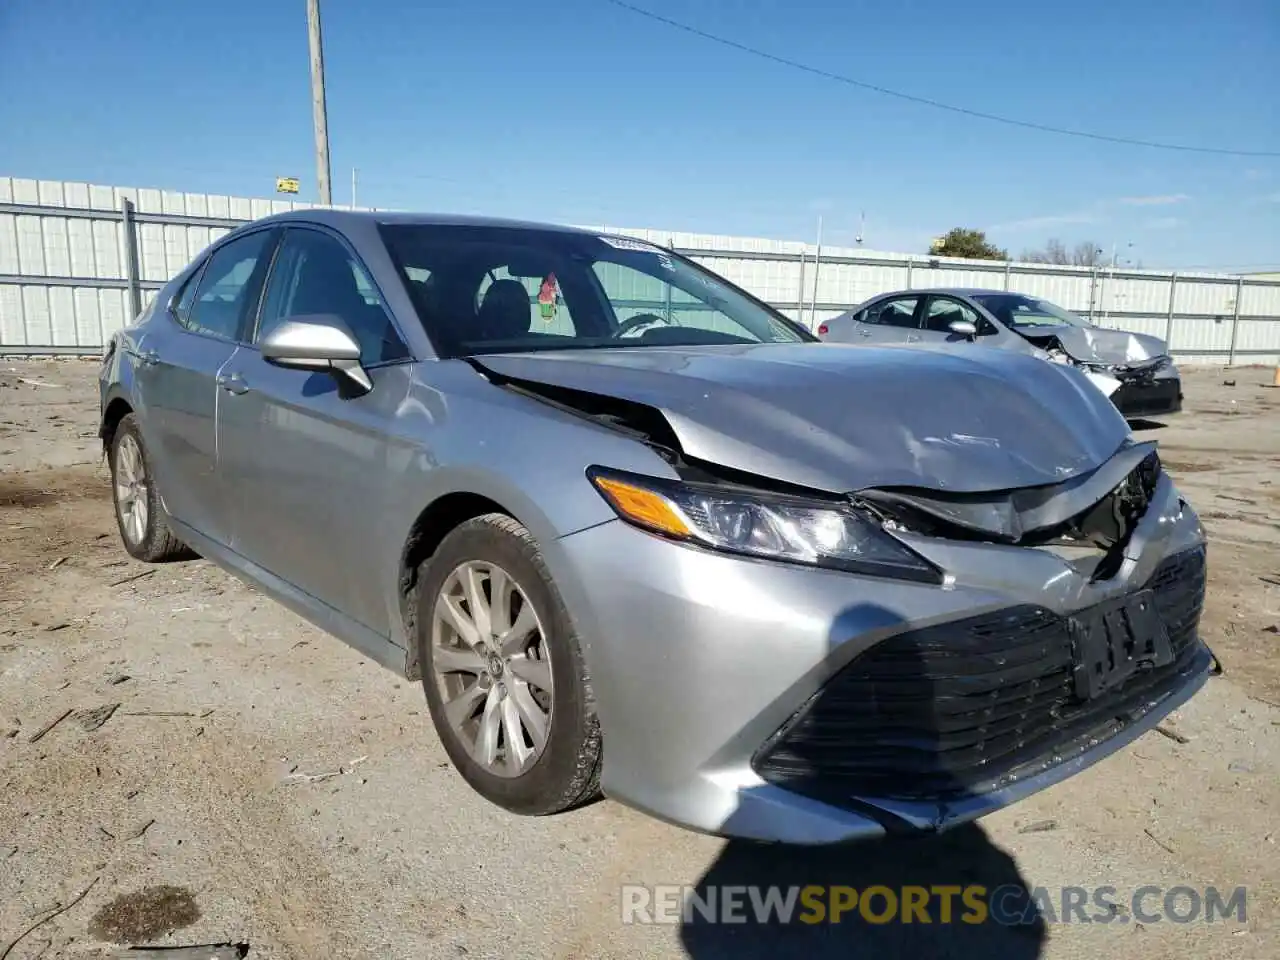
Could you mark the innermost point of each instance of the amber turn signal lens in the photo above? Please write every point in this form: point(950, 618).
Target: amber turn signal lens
point(641, 506)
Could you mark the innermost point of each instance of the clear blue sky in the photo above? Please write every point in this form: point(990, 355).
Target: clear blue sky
point(578, 111)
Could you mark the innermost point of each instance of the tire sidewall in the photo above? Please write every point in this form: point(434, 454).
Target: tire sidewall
point(557, 773)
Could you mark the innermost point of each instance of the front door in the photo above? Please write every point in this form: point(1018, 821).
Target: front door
point(942, 311)
point(178, 368)
point(307, 465)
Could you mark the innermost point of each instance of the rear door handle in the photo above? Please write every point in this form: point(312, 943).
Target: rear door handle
point(912, 338)
point(864, 333)
point(233, 383)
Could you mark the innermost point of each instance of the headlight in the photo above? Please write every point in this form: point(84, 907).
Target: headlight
point(791, 529)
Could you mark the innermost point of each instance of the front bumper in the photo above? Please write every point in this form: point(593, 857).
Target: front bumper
point(703, 666)
point(1149, 398)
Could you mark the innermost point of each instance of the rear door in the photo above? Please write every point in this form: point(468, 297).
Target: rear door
point(306, 467)
point(891, 320)
point(178, 367)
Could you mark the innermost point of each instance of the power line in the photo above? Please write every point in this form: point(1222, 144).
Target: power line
point(925, 101)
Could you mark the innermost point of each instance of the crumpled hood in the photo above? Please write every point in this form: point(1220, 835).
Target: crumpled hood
point(1098, 345)
point(844, 418)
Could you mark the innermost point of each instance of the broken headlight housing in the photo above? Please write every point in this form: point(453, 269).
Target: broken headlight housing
point(821, 533)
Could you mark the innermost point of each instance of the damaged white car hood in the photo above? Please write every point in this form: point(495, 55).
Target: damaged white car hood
point(842, 419)
point(1096, 345)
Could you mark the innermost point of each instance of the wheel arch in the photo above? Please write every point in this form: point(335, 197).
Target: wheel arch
point(116, 410)
point(440, 517)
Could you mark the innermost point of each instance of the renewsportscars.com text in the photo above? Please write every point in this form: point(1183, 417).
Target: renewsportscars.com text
point(970, 904)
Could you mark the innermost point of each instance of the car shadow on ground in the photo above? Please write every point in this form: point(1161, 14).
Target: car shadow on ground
point(920, 667)
point(1143, 425)
point(958, 859)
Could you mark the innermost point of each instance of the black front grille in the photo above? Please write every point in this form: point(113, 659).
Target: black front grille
point(1148, 399)
point(962, 707)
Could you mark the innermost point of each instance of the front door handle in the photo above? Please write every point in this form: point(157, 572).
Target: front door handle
point(148, 358)
point(864, 333)
point(233, 383)
point(912, 337)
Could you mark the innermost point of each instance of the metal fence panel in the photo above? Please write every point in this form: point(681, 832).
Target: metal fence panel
point(1199, 298)
point(1259, 300)
point(66, 252)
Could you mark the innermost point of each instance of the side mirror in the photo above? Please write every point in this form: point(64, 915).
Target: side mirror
point(317, 342)
point(965, 328)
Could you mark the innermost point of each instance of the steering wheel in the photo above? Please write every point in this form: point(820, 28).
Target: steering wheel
point(639, 320)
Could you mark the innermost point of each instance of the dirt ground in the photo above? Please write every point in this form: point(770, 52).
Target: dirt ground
point(221, 772)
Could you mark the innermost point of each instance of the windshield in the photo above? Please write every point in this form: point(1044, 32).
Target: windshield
point(494, 289)
point(1018, 310)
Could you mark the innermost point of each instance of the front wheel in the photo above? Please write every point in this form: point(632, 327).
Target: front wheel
point(139, 515)
point(503, 672)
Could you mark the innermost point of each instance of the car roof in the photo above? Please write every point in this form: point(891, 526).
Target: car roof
point(348, 219)
point(963, 291)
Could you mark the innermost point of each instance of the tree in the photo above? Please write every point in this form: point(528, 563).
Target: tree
point(1086, 254)
point(970, 244)
point(1083, 254)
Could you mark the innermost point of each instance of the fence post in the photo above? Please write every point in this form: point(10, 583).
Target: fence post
point(1235, 323)
point(910, 260)
point(800, 291)
point(131, 271)
point(671, 242)
point(817, 266)
point(1007, 266)
point(1168, 323)
point(1093, 288)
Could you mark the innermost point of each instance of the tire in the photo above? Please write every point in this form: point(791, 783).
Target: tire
point(146, 537)
point(566, 771)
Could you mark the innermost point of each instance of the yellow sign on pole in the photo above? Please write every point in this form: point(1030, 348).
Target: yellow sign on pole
point(286, 184)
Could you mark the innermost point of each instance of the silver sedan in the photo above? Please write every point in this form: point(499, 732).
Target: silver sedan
point(1133, 369)
point(638, 533)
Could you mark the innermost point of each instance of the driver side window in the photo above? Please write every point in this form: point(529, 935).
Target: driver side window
point(649, 302)
point(315, 274)
point(943, 311)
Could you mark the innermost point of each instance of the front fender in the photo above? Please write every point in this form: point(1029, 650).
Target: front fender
point(461, 434)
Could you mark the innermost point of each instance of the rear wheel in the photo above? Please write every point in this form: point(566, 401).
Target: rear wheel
point(139, 515)
point(503, 672)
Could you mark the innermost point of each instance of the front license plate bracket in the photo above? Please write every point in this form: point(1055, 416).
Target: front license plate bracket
point(1115, 640)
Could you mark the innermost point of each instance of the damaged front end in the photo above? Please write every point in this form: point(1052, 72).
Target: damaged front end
point(1025, 583)
point(937, 725)
point(1088, 520)
point(1140, 379)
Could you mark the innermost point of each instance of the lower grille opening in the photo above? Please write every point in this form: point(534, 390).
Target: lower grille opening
point(964, 707)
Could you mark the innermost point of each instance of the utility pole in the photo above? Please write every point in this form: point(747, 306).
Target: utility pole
point(319, 115)
point(353, 188)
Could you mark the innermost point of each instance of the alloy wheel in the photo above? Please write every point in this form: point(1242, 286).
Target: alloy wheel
point(131, 489)
point(492, 668)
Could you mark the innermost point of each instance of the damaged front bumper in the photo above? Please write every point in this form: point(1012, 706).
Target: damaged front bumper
point(1148, 398)
point(1149, 389)
point(721, 681)
point(937, 724)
